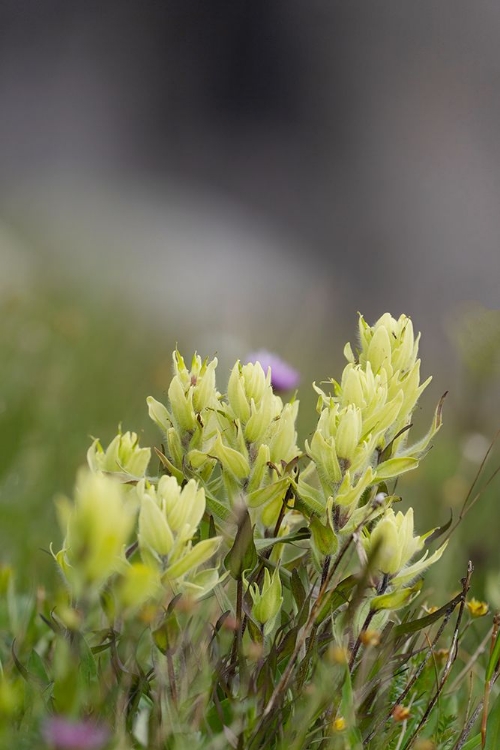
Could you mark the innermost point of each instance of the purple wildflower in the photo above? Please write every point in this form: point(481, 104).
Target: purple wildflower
point(283, 376)
point(65, 734)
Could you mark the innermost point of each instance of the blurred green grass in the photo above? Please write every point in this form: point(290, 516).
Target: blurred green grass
point(72, 366)
point(75, 364)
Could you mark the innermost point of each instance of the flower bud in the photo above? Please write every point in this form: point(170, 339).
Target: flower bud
point(182, 507)
point(386, 541)
point(261, 417)
point(123, 455)
point(323, 537)
point(395, 545)
point(324, 455)
point(267, 602)
point(236, 394)
point(379, 350)
point(260, 469)
point(403, 355)
point(97, 526)
point(159, 414)
point(283, 444)
point(181, 405)
point(352, 386)
point(348, 432)
point(256, 381)
point(204, 390)
point(175, 449)
point(154, 530)
point(231, 460)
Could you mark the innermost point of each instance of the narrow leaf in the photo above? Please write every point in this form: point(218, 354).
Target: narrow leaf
point(394, 467)
point(413, 626)
point(169, 466)
point(243, 554)
point(439, 531)
point(493, 660)
point(493, 727)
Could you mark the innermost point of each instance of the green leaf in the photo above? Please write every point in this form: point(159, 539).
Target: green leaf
point(275, 491)
point(243, 554)
point(493, 727)
point(395, 599)
point(220, 715)
point(309, 499)
point(36, 667)
point(167, 635)
point(387, 452)
point(169, 466)
point(295, 536)
point(255, 632)
point(28, 676)
point(323, 537)
point(439, 531)
point(216, 507)
point(420, 448)
point(88, 666)
point(493, 660)
point(413, 626)
point(347, 710)
point(287, 645)
point(298, 590)
point(337, 597)
point(394, 467)
point(473, 743)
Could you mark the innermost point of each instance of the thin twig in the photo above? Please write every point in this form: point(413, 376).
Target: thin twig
point(449, 662)
point(468, 726)
point(466, 507)
point(451, 608)
point(475, 656)
point(171, 676)
point(238, 633)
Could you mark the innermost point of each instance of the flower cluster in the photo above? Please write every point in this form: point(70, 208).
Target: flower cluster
point(239, 449)
point(360, 439)
point(104, 516)
point(169, 518)
point(249, 434)
point(393, 545)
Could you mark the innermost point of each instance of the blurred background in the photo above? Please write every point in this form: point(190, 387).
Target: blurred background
point(232, 176)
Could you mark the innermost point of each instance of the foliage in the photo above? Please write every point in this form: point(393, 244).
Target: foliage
point(251, 593)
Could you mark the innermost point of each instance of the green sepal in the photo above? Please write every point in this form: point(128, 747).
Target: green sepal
point(323, 537)
point(396, 599)
point(168, 465)
point(394, 467)
point(421, 447)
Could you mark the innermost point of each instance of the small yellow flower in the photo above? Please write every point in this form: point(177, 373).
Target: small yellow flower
point(338, 655)
point(339, 724)
point(429, 610)
point(400, 713)
point(477, 608)
point(370, 638)
point(442, 654)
